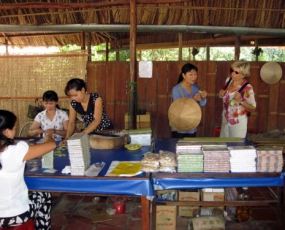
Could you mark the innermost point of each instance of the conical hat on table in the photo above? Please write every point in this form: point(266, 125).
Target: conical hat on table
point(184, 114)
point(271, 72)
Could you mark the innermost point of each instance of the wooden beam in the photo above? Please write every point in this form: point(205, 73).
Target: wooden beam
point(7, 38)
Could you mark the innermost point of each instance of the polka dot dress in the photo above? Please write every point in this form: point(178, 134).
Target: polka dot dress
point(88, 116)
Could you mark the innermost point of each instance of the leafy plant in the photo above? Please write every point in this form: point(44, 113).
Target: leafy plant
point(195, 51)
point(257, 51)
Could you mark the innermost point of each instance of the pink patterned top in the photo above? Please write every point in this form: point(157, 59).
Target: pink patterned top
point(232, 110)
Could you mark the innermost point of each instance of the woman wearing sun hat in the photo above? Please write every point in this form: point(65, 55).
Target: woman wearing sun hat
point(238, 101)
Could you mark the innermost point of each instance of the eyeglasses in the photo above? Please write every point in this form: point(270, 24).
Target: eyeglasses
point(232, 71)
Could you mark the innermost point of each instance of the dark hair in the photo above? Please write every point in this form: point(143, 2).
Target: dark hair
point(7, 121)
point(188, 67)
point(50, 95)
point(76, 84)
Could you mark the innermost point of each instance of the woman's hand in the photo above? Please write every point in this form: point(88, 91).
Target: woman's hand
point(48, 138)
point(200, 96)
point(50, 131)
point(222, 93)
point(63, 142)
point(203, 94)
point(197, 97)
point(238, 97)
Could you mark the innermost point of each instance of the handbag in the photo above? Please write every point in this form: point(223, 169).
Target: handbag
point(35, 109)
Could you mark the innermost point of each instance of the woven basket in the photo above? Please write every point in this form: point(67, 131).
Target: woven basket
point(105, 142)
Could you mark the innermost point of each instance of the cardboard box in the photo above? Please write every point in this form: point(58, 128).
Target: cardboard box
point(188, 195)
point(170, 195)
point(166, 217)
point(142, 121)
point(190, 211)
point(213, 195)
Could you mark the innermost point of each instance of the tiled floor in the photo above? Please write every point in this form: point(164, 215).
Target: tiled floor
point(73, 212)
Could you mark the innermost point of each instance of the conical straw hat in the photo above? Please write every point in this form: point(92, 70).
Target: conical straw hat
point(184, 114)
point(271, 72)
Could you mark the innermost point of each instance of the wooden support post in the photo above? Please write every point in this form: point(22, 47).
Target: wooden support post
point(256, 47)
point(140, 54)
point(6, 45)
point(107, 49)
point(117, 52)
point(207, 52)
point(145, 213)
point(83, 41)
point(237, 47)
point(180, 37)
point(133, 56)
point(89, 46)
point(189, 53)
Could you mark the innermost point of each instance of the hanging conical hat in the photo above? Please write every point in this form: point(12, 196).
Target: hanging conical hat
point(271, 72)
point(184, 114)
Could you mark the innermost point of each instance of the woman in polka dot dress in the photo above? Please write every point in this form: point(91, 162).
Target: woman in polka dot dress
point(89, 105)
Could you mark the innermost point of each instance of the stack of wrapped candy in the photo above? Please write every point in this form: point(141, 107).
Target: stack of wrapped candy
point(189, 157)
point(79, 153)
point(269, 159)
point(150, 162)
point(242, 158)
point(184, 147)
point(216, 158)
point(167, 161)
point(191, 161)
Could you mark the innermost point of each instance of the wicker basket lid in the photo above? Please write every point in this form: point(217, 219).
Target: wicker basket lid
point(271, 72)
point(184, 114)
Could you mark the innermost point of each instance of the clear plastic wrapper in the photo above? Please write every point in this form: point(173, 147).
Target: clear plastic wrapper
point(171, 169)
point(150, 159)
point(167, 158)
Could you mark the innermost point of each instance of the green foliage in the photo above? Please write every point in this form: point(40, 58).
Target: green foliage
point(216, 54)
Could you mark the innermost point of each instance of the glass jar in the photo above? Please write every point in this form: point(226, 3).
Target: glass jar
point(244, 212)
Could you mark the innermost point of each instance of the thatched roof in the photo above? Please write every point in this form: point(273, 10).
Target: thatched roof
point(59, 23)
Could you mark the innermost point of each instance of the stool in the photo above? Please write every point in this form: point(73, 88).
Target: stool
point(216, 131)
point(29, 225)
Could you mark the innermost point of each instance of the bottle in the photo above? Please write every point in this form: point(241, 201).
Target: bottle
point(244, 212)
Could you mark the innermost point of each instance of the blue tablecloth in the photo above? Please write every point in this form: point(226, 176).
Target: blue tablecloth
point(186, 183)
point(209, 180)
point(139, 185)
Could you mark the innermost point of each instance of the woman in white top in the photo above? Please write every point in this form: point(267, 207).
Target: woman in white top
point(16, 205)
point(52, 120)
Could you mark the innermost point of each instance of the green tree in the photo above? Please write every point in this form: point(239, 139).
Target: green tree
point(216, 54)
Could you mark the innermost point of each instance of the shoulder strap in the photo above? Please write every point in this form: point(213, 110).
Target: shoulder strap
point(181, 92)
point(229, 81)
point(243, 86)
